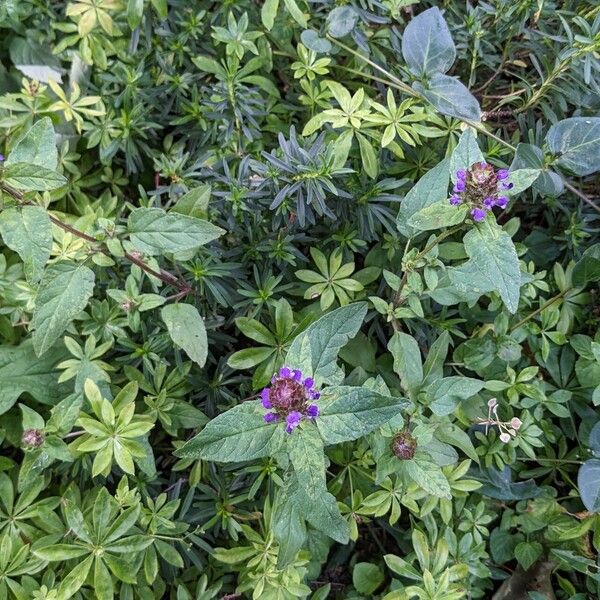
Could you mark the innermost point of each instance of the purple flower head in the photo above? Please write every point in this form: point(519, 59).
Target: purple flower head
point(292, 421)
point(502, 174)
point(290, 396)
point(489, 203)
point(478, 214)
point(460, 186)
point(461, 174)
point(455, 200)
point(502, 202)
point(1, 157)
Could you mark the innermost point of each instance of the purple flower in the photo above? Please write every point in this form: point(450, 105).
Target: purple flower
point(1, 157)
point(460, 186)
point(264, 398)
point(312, 411)
point(292, 421)
point(455, 200)
point(507, 186)
point(290, 395)
point(502, 202)
point(478, 214)
point(502, 174)
point(461, 174)
point(489, 203)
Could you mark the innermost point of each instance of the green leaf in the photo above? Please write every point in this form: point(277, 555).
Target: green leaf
point(588, 481)
point(154, 231)
point(61, 552)
point(194, 203)
point(28, 231)
point(494, 259)
point(305, 449)
point(341, 21)
point(433, 368)
point(75, 579)
point(236, 435)
point(527, 553)
point(288, 526)
point(311, 39)
point(161, 8)
point(438, 215)
point(407, 361)
point(135, 12)
point(447, 393)
point(522, 179)
point(37, 146)
point(62, 295)
point(249, 357)
point(324, 515)
point(348, 413)
point(186, 328)
point(466, 153)
point(430, 189)
point(587, 268)
point(23, 176)
point(103, 581)
point(454, 435)
point(315, 350)
point(366, 577)
point(450, 97)
point(576, 141)
point(428, 476)
point(295, 12)
point(427, 45)
point(368, 156)
point(268, 12)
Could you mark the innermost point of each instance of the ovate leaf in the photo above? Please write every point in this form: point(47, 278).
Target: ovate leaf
point(428, 476)
point(36, 147)
point(62, 295)
point(407, 361)
point(438, 215)
point(450, 97)
point(587, 268)
point(315, 350)
point(446, 394)
point(28, 231)
point(24, 176)
point(466, 153)
point(154, 231)
point(588, 480)
point(186, 328)
point(348, 413)
point(576, 142)
point(236, 435)
point(341, 21)
point(494, 259)
point(268, 13)
point(427, 45)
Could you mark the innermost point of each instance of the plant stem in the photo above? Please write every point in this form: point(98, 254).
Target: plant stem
point(162, 275)
point(540, 309)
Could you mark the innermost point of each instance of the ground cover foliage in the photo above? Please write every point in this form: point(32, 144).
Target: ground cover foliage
point(299, 299)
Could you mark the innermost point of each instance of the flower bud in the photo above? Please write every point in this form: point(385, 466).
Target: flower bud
point(32, 438)
point(404, 445)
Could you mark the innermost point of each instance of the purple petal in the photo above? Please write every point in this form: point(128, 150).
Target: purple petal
point(461, 174)
point(459, 186)
point(502, 174)
point(314, 395)
point(502, 202)
point(1, 157)
point(489, 203)
point(292, 421)
point(478, 214)
point(297, 374)
point(309, 382)
point(264, 398)
point(285, 372)
point(455, 200)
point(270, 417)
point(507, 186)
point(312, 411)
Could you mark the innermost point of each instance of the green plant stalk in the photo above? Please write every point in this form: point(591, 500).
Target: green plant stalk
point(541, 309)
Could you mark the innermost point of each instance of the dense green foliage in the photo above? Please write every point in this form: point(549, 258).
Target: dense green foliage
point(377, 219)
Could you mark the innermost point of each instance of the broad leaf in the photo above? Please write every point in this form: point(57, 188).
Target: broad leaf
point(28, 231)
point(23, 176)
point(494, 258)
point(341, 21)
point(36, 147)
point(446, 394)
point(407, 361)
point(576, 142)
point(438, 215)
point(315, 350)
point(528, 156)
point(466, 153)
point(450, 97)
point(194, 203)
point(427, 45)
point(348, 413)
point(430, 189)
point(288, 526)
point(522, 179)
point(587, 268)
point(186, 328)
point(305, 449)
point(21, 371)
point(268, 12)
point(588, 480)
point(62, 295)
point(154, 231)
point(236, 435)
point(428, 476)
